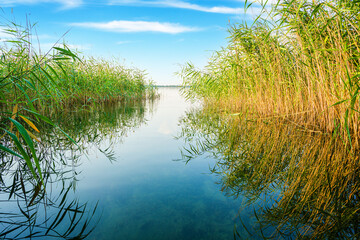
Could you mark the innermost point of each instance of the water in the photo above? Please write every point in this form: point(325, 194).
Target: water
point(129, 167)
point(168, 169)
point(146, 194)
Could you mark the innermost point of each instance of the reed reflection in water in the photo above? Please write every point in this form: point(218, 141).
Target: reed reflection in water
point(309, 182)
point(52, 210)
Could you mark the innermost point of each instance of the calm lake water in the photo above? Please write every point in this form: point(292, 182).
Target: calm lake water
point(172, 169)
point(131, 172)
point(146, 194)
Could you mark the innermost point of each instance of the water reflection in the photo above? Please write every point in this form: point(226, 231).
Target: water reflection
point(308, 182)
point(145, 194)
point(29, 209)
point(91, 127)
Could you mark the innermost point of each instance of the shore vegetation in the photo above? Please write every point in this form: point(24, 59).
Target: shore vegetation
point(34, 84)
point(283, 98)
point(298, 61)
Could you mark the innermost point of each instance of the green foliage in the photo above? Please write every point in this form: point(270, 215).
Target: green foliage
point(299, 60)
point(286, 90)
point(32, 83)
point(94, 81)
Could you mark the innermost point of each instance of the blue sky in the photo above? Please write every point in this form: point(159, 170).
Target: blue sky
point(154, 35)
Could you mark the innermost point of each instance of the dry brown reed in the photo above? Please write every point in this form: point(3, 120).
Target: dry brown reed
point(299, 62)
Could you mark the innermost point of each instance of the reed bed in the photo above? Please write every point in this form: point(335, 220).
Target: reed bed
point(99, 81)
point(35, 84)
point(286, 96)
point(298, 61)
point(60, 78)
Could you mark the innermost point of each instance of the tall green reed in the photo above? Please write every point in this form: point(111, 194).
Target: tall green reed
point(299, 61)
point(23, 73)
point(95, 81)
point(287, 92)
point(33, 84)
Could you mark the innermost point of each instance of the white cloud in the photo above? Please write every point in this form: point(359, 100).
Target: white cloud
point(79, 47)
point(70, 3)
point(66, 4)
point(179, 4)
point(4, 34)
point(122, 42)
point(46, 47)
point(136, 26)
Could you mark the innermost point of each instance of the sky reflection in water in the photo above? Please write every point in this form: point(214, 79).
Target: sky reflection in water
point(145, 194)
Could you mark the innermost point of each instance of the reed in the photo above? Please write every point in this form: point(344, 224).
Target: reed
point(33, 84)
point(61, 78)
point(286, 93)
point(299, 61)
point(97, 81)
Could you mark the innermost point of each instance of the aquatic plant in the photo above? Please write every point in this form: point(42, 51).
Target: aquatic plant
point(286, 96)
point(96, 81)
point(33, 83)
point(22, 75)
point(297, 61)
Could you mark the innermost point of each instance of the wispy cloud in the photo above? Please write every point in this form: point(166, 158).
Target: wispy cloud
point(4, 34)
point(66, 4)
point(123, 42)
point(179, 4)
point(137, 26)
point(46, 46)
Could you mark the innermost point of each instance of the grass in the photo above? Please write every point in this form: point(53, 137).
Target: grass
point(298, 61)
point(61, 78)
point(98, 81)
point(34, 84)
point(286, 96)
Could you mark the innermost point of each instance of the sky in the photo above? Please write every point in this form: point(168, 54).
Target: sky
point(157, 36)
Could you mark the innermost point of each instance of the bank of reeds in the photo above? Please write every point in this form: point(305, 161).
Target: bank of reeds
point(32, 84)
point(299, 61)
point(96, 81)
point(61, 78)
